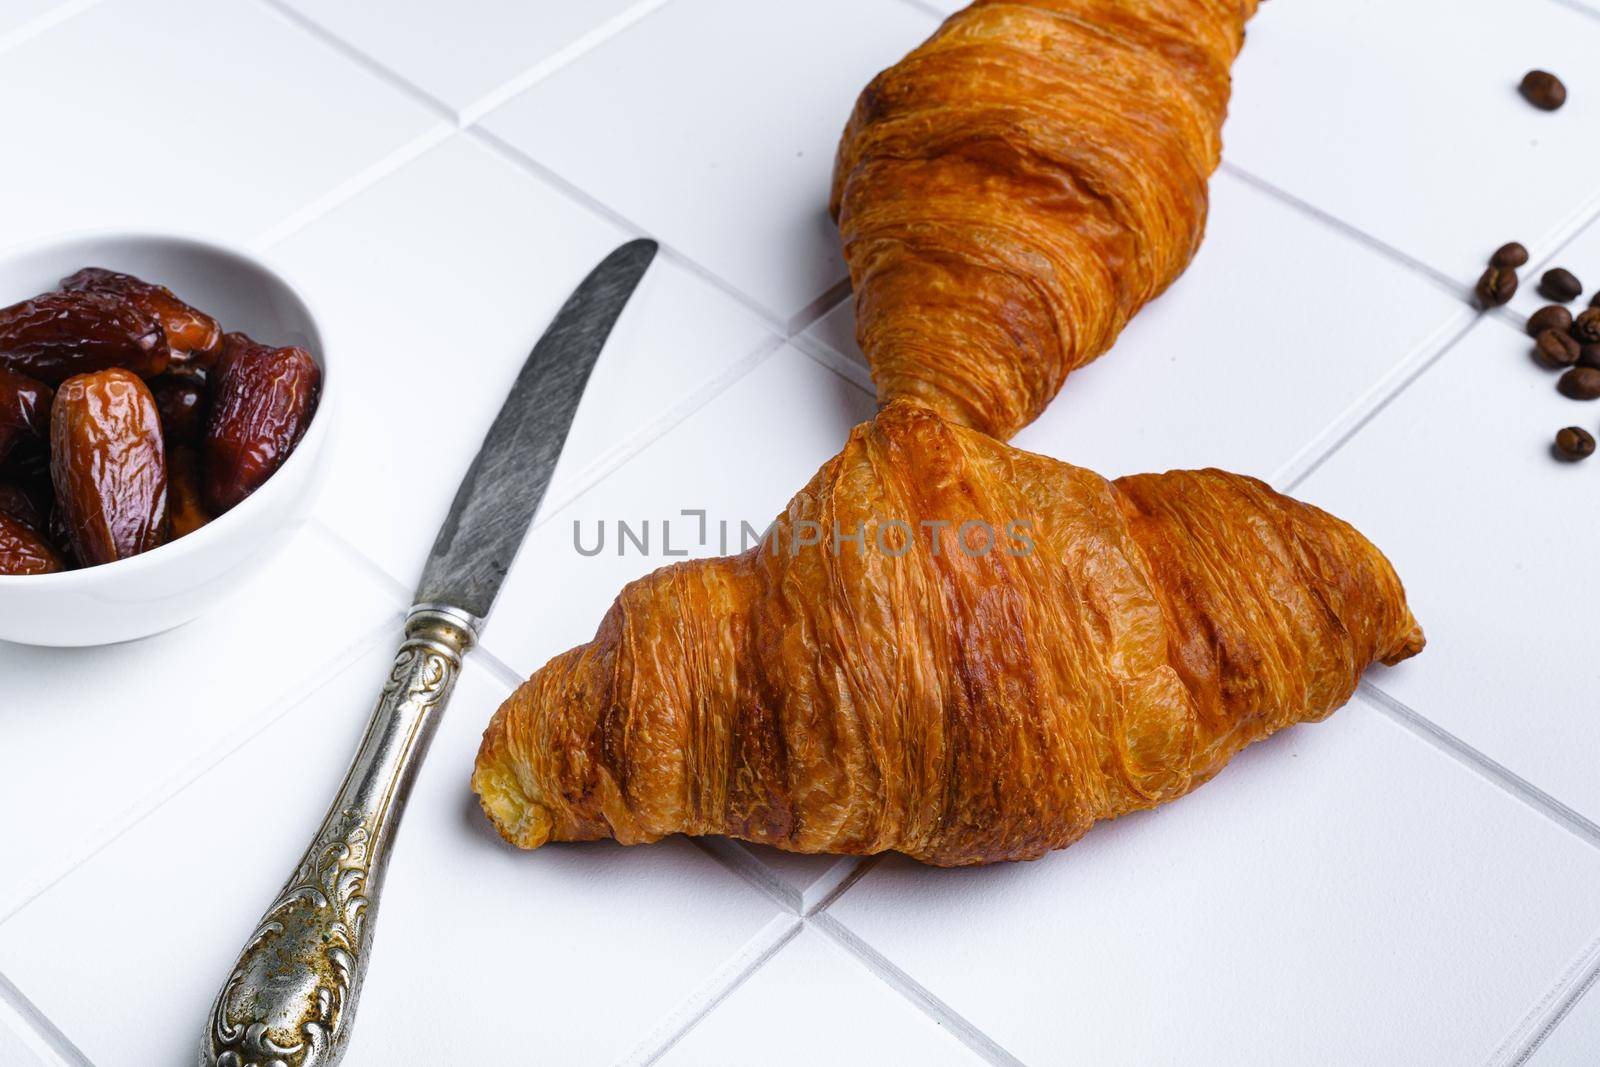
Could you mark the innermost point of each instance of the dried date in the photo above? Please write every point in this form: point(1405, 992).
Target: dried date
point(181, 401)
point(193, 335)
point(22, 551)
point(188, 512)
point(57, 335)
point(21, 505)
point(24, 410)
point(261, 403)
point(108, 463)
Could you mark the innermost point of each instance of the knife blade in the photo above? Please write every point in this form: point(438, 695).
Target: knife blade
point(292, 994)
point(507, 480)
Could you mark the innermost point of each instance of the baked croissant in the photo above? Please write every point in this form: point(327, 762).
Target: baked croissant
point(1011, 192)
point(867, 679)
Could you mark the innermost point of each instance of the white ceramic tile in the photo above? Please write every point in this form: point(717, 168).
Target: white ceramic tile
point(856, 1018)
point(1251, 358)
point(476, 47)
point(1405, 120)
point(714, 122)
point(436, 307)
point(1581, 256)
point(572, 952)
point(21, 15)
point(739, 459)
point(1574, 1041)
point(94, 734)
point(208, 116)
point(592, 944)
point(1455, 482)
point(17, 1050)
point(1342, 893)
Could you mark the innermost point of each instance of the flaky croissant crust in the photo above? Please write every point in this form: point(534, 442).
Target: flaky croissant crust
point(959, 707)
point(1011, 192)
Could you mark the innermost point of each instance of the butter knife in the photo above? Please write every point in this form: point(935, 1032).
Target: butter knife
point(290, 1000)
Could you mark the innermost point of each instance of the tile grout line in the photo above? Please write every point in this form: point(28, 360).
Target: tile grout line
point(1578, 6)
point(40, 1029)
point(176, 784)
point(1344, 427)
point(919, 995)
point(1486, 767)
point(1349, 230)
point(583, 45)
point(717, 987)
point(44, 22)
point(1551, 1010)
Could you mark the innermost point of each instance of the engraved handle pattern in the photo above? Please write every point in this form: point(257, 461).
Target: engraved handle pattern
point(291, 998)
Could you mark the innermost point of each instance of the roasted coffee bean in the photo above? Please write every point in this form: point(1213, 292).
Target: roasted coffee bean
point(1594, 301)
point(181, 400)
point(54, 336)
point(1497, 286)
point(1543, 90)
point(1574, 443)
point(1549, 317)
point(1580, 383)
point(1511, 254)
point(109, 465)
point(1589, 356)
point(193, 335)
point(183, 491)
point(262, 402)
point(1586, 327)
point(24, 410)
point(23, 551)
point(1560, 285)
point(1555, 350)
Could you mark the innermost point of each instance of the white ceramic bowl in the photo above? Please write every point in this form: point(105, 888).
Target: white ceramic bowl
point(177, 582)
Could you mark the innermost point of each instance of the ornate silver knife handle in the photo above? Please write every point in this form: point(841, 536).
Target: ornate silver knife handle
point(291, 998)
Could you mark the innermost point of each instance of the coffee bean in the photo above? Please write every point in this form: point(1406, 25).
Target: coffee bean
point(1574, 443)
point(1543, 90)
point(1594, 301)
point(1555, 350)
point(1586, 327)
point(1560, 285)
point(1549, 317)
point(1511, 254)
point(1580, 383)
point(1497, 286)
point(1589, 356)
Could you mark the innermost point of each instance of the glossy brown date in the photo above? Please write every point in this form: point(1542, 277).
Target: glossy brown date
point(181, 401)
point(193, 335)
point(54, 336)
point(188, 512)
point(109, 466)
point(22, 551)
point(261, 403)
point(22, 505)
point(24, 410)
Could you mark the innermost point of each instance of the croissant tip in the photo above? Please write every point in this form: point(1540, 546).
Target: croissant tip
point(520, 820)
point(1415, 641)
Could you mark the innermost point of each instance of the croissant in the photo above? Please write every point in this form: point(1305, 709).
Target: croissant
point(1011, 192)
point(950, 648)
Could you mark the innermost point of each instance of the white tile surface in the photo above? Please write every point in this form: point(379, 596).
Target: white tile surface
point(573, 950)
point(811, 978)
point(1455, 482)
point(437, 282)
point(1573, 1043)
point(1250, 359)
point(591, 944)
point(16, 1050)
point(117, 134)
point(1402, 117)
point(461, 55)
point(21, 15)
point(723, 150)
point(1342, 893)
point(740, 459)
point(98, 734)
point(1581, 256)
